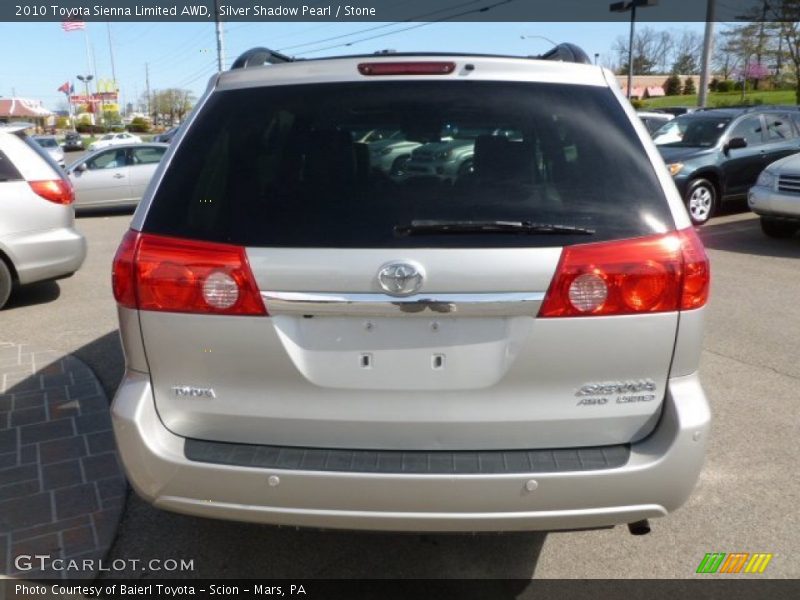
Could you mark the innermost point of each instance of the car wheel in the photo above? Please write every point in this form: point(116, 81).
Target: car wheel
point(399, 165)
point(777, 228)
point(6, 283)
point(701, 200)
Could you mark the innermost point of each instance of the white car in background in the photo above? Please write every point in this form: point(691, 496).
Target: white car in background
point(114, 139)
point(654, 120)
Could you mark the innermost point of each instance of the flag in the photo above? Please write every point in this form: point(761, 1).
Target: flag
point(65, 88)
point(73, 25)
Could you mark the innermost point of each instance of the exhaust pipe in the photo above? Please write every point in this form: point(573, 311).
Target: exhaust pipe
point(639, 527)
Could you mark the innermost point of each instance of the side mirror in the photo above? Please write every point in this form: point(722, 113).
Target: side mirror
point(81, 168)
point(737, 143)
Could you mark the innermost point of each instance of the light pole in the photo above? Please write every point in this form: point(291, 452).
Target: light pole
point(86, 79)
point(631, 5)
point(540, 37)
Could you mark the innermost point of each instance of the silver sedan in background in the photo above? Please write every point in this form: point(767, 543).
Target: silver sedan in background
point(776, 197)
point(116, 176)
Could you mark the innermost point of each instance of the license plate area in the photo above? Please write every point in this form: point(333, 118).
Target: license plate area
point(402, 353)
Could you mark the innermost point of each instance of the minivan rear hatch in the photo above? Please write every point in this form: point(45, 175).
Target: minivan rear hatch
point(405, 307)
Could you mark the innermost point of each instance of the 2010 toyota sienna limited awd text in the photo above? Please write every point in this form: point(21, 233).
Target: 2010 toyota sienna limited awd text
point(312, 340)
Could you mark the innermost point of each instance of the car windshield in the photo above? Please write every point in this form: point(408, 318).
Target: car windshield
point(286, 166)
point(691, 131)
point(107, 137)
point(47, 142)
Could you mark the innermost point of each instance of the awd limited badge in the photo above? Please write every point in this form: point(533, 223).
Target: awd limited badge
point(626, 392)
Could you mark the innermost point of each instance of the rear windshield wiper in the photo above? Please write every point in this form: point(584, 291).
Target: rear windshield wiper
point(519, 227)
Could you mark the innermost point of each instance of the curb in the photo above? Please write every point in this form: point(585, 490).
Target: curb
point(62, 490)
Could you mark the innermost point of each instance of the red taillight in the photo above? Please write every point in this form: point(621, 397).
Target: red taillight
point(661, 273)
point(406, 68)
point(696, 271)
point(168, 274)
point(122, 281)
point(54, 190)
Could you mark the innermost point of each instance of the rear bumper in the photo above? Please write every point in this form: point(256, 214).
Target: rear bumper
point(658, 478)
point(764, 201)
point(49, 254)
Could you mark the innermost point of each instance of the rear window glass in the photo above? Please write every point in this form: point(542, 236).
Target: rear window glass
point(8, 172)
point(348, 165)
point(691, 131)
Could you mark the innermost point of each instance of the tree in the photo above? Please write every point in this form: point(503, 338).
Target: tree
point(672, 86)
point(688, 48)
point(713, 84)
point(787, 14)
point(172, 103)
point(685, 64)
point(139, 125)
point(650, 49)
point(689, 89)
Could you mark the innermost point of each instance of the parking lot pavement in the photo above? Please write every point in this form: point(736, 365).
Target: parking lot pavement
point(61, 487)
point(746, 500)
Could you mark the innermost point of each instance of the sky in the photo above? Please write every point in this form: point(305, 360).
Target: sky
point(39, 57)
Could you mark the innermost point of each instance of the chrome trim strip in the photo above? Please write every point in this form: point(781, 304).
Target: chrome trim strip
point(509, 304)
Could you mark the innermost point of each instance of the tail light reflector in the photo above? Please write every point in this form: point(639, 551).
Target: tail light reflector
point(661, 273)
point(58, 191)
point(407, 68)
point(160, 273)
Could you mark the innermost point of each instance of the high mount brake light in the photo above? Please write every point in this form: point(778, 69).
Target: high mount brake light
point(661, 273)
point(160, 273)
point(58, 191)
point(407, 68)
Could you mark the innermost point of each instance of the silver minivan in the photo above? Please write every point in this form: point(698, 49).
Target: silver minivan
point(38, 239)
point(312, 342)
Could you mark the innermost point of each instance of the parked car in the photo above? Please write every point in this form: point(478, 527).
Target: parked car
point(38, 240)
point(114, 139)
point(167, 136)
point(309, 342)
point(447, 159)
point(654, 120)
point(776, 197)
point(114, 176)
point(72, 142)
point(389, 150)
point(50, 145)
point(716, 155)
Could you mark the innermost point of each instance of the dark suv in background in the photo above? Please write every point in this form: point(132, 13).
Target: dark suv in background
point(717, 154)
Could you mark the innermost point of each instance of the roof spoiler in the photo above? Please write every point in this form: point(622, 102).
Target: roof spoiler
point(567, 53)
point(256, 57)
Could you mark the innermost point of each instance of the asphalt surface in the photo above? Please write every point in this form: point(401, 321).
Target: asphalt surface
point(746, 500)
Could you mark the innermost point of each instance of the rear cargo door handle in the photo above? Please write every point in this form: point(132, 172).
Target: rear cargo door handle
point(423, 305)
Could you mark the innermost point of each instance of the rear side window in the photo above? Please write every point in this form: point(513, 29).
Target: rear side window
point(750, 129)
point(147, 155)
point(346, 165)
point(779, 128)
point(8, 172)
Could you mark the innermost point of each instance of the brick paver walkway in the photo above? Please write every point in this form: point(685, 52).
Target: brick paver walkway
point(61, 488)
